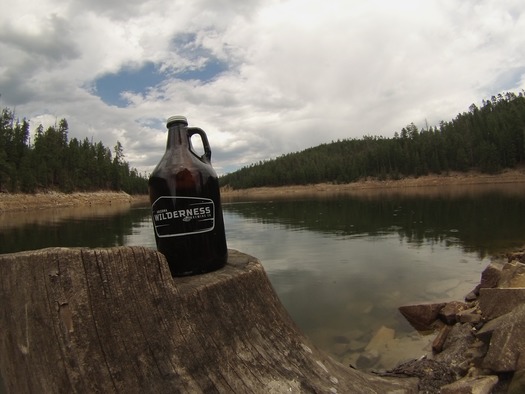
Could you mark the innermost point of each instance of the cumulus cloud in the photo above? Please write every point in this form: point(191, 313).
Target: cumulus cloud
point(263, 78)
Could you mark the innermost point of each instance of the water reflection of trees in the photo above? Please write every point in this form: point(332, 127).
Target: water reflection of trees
point(80, 226)
point(13, 219)
point(485, 223)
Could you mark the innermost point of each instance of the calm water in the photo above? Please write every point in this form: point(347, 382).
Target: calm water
point(341, 264)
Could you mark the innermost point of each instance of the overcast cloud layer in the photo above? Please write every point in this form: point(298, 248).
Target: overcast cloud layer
point(262, 78)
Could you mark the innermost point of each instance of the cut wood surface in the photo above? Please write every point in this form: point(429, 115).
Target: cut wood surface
point(114, 320)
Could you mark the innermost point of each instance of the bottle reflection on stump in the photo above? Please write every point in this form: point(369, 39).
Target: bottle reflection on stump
point(186, 204)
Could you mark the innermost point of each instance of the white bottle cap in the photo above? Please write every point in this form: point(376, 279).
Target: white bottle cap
point(176, 119)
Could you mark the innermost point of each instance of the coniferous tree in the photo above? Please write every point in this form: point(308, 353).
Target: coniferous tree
point(53, 162)
point(487, 139)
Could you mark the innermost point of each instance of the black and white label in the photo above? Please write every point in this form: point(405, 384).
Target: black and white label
point(178, 216)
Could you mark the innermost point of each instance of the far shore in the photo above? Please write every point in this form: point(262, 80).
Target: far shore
point(405, 185)
point(511, 179)
point(47, 200)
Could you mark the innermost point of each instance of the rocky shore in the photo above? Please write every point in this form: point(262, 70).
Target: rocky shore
point(479, 344)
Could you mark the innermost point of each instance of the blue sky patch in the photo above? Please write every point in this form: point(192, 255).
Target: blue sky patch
point(205, 74)
point(187, 45)
point(110, 86)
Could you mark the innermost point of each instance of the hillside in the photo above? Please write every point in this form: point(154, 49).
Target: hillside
point(488, 140)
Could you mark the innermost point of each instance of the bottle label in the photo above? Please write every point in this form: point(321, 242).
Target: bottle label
point(178, 216)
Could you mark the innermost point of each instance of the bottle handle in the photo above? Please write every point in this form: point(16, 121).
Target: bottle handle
point(206, 157)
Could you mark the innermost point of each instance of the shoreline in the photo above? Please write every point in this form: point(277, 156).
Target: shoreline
point(49, 200)
point(424, 184)
point(410, 184)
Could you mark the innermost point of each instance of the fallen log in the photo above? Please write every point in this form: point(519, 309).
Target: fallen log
point(114, 320)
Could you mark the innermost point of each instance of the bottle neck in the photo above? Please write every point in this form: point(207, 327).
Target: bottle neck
point(178, 135)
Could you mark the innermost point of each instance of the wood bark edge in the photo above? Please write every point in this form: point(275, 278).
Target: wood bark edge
point(114, 320)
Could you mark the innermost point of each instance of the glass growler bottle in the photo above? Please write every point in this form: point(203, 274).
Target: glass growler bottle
point(186, 205)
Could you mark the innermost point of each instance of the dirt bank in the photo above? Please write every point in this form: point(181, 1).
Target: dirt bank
point(20, 202)
point(508, 177)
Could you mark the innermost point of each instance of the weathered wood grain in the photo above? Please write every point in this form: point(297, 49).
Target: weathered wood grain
point(114, 320)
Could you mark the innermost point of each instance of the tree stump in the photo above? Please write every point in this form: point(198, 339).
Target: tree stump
point(77, 320)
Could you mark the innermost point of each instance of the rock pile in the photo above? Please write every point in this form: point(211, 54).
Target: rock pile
point(480, 343)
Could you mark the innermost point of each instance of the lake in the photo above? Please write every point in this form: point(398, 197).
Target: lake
point(341, 263)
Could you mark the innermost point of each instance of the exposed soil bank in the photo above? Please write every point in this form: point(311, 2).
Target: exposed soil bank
point(515, 176)
point(20, 202)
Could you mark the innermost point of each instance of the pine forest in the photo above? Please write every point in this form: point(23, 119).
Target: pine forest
point(54, 162)
point(487, 139)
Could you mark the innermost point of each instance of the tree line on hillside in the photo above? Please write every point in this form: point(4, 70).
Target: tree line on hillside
point(487, 139)
point(55, 162)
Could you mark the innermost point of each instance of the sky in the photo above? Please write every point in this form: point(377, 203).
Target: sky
point(262, 78)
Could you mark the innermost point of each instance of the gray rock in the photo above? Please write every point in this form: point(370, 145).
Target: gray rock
point(368, 359)
point(473, 295)
point(512, 275)
point(517, 384)
point(450, 310)
point(485, 333)
point(506, 351)
point(455, 349)
point(476, 352)
point(491, 275)
point(432, 374)
point(439, 341)
point(422, 316)
point(517, 256)
point(471, 385)
point(488, 338)
point(381, 339)
point(471, 315)
point(497, 302)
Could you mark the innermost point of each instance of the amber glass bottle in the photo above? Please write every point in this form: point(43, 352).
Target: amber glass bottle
point(186, 204)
